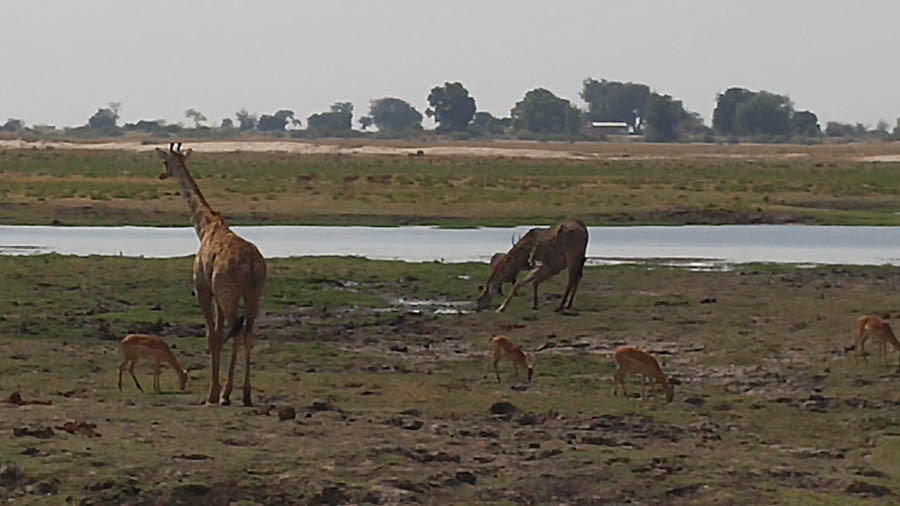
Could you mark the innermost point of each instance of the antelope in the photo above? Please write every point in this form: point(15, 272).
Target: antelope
point(882, 330)
point(502, 347)
point(634, 361)
point(135, 346)
point(546, 251)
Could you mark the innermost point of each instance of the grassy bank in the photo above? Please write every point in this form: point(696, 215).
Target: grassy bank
point(392, 405)
point(627, 184)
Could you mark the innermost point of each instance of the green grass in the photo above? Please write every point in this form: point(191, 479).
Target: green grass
point(116, 187)
point(744, 363)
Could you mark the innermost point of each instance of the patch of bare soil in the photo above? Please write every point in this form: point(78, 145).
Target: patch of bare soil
point(403, 415)
point(505, 149)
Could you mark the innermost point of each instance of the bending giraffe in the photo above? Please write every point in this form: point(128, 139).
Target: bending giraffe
point(227, 269)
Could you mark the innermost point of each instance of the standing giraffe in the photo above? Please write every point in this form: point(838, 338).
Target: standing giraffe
point(226, 269)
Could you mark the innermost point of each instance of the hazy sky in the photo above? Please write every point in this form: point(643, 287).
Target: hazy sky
point(61, 60)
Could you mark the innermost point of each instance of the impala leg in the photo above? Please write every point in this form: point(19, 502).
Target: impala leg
point(121, 370)
point(156, 376)
point(131, 370)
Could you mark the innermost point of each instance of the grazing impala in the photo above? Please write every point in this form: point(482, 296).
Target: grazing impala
point(546, 251)
point(135, 346)
point(502, 347)
point(883, 331)
point(635, 361)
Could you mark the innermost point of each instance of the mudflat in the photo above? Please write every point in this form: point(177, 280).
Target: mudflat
point(369, 388)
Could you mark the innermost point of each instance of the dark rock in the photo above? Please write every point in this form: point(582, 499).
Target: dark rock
point(503, 408)
point(682, 491)
point(400, 348)
point(414, 425)
point(286, 413)
point(465, 477)
point(861, 487)
point(40, 433)
point(372, 498)
point(410, 486)
point(47, 488)
point(100, 485)
point(530, 419)
point(194, 489)
point(598, 440)
point(411, 412)
point(695, 401)
point(331, 495)
point(9, 475)
point(321, 406)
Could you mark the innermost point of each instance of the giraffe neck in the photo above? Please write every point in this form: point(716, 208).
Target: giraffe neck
point(201, 212)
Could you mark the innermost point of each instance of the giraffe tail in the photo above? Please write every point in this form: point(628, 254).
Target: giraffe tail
point(235, 329)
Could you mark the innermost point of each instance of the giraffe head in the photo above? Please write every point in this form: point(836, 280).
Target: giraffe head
point(172, 158)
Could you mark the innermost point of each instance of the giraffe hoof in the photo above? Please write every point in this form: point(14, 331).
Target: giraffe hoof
point(248, 402)
point(226, 402)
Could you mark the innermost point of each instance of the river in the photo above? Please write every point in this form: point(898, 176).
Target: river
point(685, 245)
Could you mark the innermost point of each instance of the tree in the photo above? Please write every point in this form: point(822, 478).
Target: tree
point(896, 131)
point(196, 116)
point(276, 122)
point(726, 107)
point(365, 122)
point(763, 113)
point(616, 101)
point(451, 107)
point(663, 118)
point(394, 114)
point(104, 118)
point(486, 123)
point(805, 123)
point(337, 120)
point(12, 125)
point(226, 123)
point(542, 111)
point(246, 121)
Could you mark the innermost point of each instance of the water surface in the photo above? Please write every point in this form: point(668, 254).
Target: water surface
point(692, 245)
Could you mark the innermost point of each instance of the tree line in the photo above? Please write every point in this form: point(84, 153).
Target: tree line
point(628, 107)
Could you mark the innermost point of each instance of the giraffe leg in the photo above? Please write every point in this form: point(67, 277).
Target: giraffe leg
point(228, 308)
point(216, 342)
point(252, 310)
point(205, 298)
point(229, 380)
point(246, 390)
